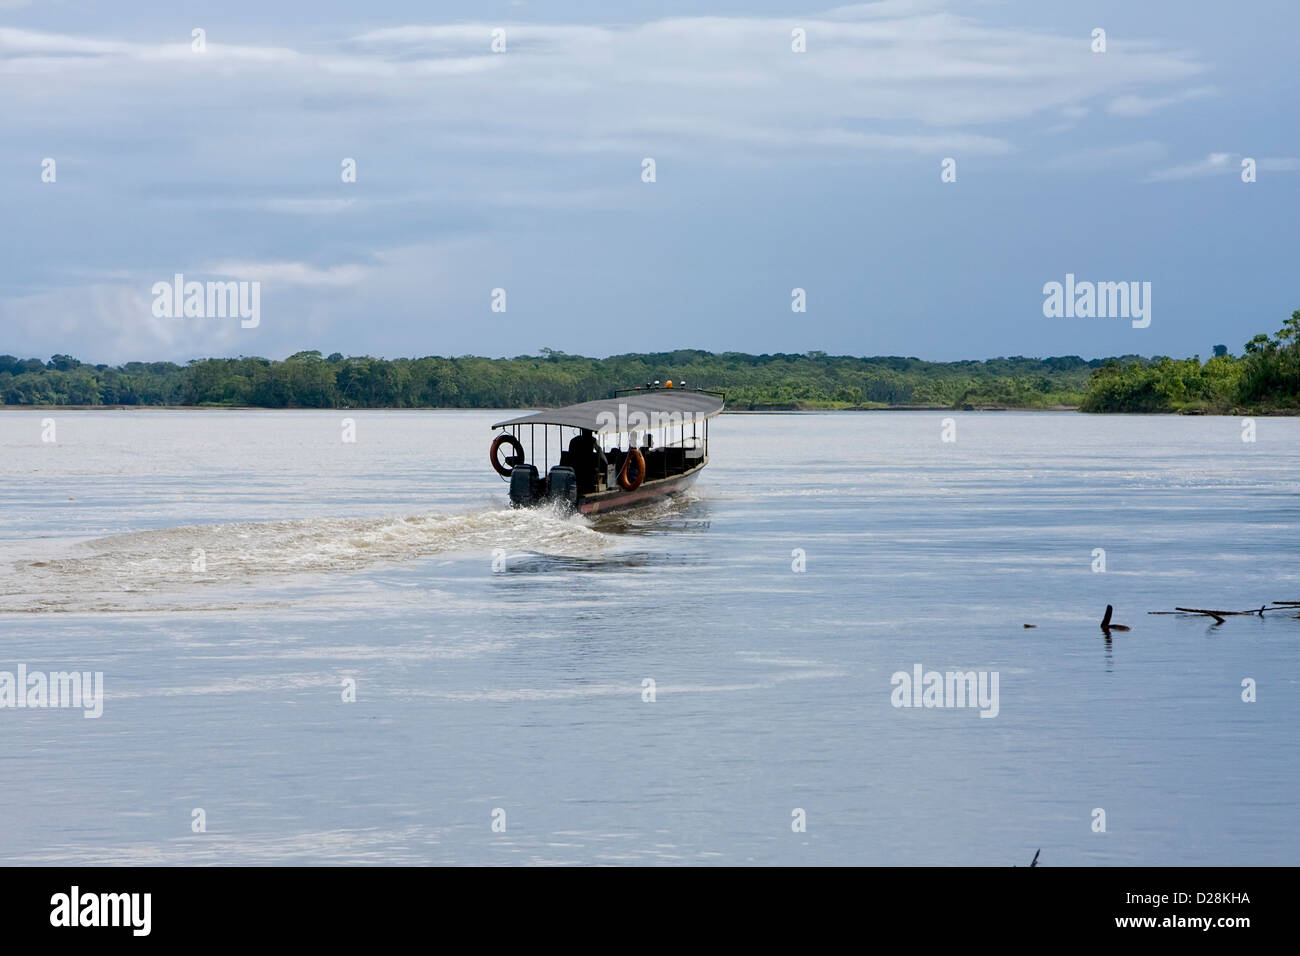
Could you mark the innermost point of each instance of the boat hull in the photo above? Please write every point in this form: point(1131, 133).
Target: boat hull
point(603, 501)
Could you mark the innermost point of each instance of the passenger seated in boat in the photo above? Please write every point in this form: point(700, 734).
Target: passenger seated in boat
point(587, 459)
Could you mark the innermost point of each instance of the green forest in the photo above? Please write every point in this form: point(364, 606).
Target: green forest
point(1266, 377)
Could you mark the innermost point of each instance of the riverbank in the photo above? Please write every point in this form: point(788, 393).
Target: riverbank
point(1265, 380)
point(783, 409)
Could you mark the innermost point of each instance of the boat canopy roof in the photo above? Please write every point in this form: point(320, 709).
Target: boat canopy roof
point(604, 416)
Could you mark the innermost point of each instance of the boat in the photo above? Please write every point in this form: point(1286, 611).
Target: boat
point(639, 445)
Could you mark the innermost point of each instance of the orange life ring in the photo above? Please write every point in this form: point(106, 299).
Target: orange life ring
point(629, 484)
point(505, 438)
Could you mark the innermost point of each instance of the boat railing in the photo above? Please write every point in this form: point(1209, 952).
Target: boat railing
point(663, 388)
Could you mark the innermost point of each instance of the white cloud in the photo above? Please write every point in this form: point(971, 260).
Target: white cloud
point(119, 321)
point(1214, 164)
point(185, 154)
point(886, 8)
point(1100, 158)
point(109, 318)
point(117, 316)
point(291, 273)
point(1219, 164)
point(877, 78)
point(1131, 105)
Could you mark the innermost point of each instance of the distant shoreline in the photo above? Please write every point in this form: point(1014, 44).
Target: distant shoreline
point(767, 410)
point(1264, 380)
point(1274, 413)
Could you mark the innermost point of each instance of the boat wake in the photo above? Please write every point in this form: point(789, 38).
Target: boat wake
point(207, 567)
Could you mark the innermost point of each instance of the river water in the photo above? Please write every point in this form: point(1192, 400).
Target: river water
point(233, 573)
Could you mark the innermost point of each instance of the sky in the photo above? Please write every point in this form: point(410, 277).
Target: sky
point(524, 170)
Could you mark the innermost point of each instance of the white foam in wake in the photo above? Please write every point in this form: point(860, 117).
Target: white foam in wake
point(104, 574)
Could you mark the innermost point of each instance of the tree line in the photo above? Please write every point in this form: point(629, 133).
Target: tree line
point(1267, 376)
point(308, 380)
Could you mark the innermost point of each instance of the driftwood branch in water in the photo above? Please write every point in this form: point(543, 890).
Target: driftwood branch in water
point(1251, 613)
point(1217, 615)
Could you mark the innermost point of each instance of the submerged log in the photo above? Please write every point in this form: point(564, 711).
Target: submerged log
point(1107, 626)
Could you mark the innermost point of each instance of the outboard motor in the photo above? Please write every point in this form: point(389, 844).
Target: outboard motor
point(563, 485)
point(525, 486)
